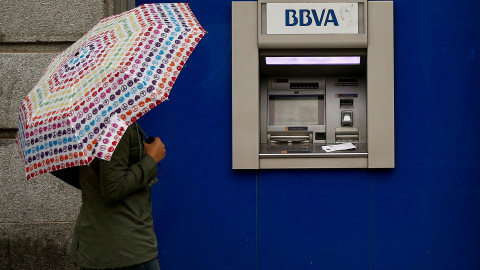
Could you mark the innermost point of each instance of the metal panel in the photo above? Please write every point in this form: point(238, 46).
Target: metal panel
point(380, 83)
point(245, 86)
point(312, 163)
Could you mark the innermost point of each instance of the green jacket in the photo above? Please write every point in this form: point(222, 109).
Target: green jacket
point(115, 226)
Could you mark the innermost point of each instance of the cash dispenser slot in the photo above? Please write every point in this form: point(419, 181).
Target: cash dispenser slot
point(290, 137)
point(344, 135)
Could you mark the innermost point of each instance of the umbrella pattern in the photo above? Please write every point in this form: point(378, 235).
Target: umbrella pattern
point(90, 93)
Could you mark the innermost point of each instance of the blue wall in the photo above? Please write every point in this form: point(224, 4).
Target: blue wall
point(424, 214)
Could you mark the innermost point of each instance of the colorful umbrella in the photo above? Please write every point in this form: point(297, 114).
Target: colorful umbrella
point(90, 93)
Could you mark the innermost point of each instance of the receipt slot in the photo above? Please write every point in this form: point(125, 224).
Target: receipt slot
point(310, 75)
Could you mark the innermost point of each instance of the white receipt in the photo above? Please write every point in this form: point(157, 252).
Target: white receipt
point(336, 147)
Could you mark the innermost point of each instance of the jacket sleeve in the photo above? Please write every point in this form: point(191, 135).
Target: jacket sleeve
point(117, 178)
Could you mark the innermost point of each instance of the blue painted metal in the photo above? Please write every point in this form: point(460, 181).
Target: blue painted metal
point(424, 214)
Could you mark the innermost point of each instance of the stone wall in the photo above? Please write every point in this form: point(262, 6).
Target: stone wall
point(37, 216)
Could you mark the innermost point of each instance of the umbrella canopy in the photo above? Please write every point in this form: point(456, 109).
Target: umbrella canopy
point(90, 93)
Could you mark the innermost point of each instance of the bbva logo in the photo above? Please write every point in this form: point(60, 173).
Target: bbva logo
point(304, 17)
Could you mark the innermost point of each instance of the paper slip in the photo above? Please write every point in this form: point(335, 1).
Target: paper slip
point(336, 147)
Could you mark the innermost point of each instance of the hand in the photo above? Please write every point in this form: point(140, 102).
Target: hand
point(156, 150)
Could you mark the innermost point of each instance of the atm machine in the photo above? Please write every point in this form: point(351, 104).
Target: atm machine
point(301, 82)
point(312, 105)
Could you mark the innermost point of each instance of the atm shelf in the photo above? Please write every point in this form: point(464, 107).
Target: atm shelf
point(308, 150)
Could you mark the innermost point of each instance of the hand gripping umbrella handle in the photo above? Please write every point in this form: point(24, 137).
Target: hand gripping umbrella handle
point(149, 140)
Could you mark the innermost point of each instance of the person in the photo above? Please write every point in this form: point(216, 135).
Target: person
point(114, 229)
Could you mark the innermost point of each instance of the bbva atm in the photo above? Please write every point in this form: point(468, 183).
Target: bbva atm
point(312, 84)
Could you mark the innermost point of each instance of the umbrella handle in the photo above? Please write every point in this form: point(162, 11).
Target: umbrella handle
point(149, 140)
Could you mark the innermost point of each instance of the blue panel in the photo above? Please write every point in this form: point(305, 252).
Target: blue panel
point(314, 220)
point(204, 211)
point(426, 210)
point(421, 215)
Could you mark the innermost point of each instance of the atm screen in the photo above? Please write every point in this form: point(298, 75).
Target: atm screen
point(296, 110)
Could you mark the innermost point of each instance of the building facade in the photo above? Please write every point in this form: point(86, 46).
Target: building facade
point(37, 217)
